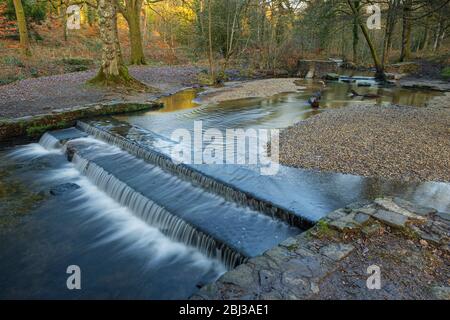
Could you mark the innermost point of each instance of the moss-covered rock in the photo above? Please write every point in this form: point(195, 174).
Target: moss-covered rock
point(34, 127)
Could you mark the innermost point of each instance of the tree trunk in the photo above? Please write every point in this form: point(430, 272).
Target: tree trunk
point(137, 49)
point(131, 10)
point(390, 26)
point(355, 33)
point(23, 31)
point(440, 33)
point(406, 33)
point(144, 27)
point(210, 56)
point(64, 22)
point(380, 75)
point(112, 70)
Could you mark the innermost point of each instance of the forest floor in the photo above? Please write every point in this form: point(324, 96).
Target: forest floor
point(395, 142)
point(42, 95)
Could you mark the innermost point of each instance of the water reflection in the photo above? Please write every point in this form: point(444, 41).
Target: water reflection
point(180, 101)
point(279, 111)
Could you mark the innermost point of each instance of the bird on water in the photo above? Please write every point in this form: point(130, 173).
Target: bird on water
point(314, 101)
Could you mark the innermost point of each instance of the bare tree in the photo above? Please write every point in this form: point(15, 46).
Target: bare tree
point(23, 30)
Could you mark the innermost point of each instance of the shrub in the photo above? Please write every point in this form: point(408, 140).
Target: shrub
point(34, 10)
point(34, 72)
point(445, 73)
point(13, 61)
point(78, 61)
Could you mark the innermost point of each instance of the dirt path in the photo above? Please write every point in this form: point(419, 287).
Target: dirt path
point(42, 95)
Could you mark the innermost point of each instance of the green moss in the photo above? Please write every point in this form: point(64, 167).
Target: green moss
point(13, 61)
point(35, 127)
point(205, 79)
point(9, 79)
point(323, 230)
point(16, 199)
point(123, 81)
point(37, 130)
point(408, 233)
point(445, 73)
point(292, 247)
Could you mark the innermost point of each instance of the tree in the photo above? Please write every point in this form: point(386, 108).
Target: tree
point(210, 44)
point(23, 29)
point(113, 71)
point(407, 30)
point(380, 75)
point(357, 5)
point(131, 11)
point(390, 26)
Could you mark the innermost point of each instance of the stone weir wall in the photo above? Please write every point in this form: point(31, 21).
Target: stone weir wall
point(316, 68)
point(406, 245)
point(32, 127)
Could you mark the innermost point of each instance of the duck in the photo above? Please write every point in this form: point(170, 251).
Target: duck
point(314, 101)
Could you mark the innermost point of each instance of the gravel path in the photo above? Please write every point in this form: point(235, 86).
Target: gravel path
point(388, 141)
point(41, 95)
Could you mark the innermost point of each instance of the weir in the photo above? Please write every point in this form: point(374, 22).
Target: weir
point(189, 173)
point(155, 215)
point(182, 211)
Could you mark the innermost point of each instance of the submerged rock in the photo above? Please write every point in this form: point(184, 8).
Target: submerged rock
point(364, 84)
point(64, 188)
point(332, 76)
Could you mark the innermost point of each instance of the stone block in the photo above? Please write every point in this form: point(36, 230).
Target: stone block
point(390, 218)
point(390, 205)
point(361, 218)
point(337, 251)
point(414, 208)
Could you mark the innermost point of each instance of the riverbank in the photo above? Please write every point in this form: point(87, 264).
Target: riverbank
point(43, 95)
point(393, 142)
point(264, 88)
point(29, 108)
point(406, 244)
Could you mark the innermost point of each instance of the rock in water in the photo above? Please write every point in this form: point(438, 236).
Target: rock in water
point(332, 76)
point(64, 188)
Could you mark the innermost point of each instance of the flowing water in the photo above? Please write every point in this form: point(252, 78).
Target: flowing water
point(140, 225)
point(309, 194)
point(120, 256)
point(280, 111)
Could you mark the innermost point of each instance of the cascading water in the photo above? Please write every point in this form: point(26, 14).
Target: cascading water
point(49, 142)
point(157, 216)
point(188, 173)
point(121, 256)
point(184, 212)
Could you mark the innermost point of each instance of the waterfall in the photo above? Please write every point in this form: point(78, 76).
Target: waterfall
point(157, 216)
point(49, 142)
point(188, 173)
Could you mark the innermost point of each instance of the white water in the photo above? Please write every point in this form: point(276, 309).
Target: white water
point(120, 224)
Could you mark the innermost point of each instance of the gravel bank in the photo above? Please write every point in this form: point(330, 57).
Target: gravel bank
point(44, 94)
point(252, 89)
point(393, 142)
